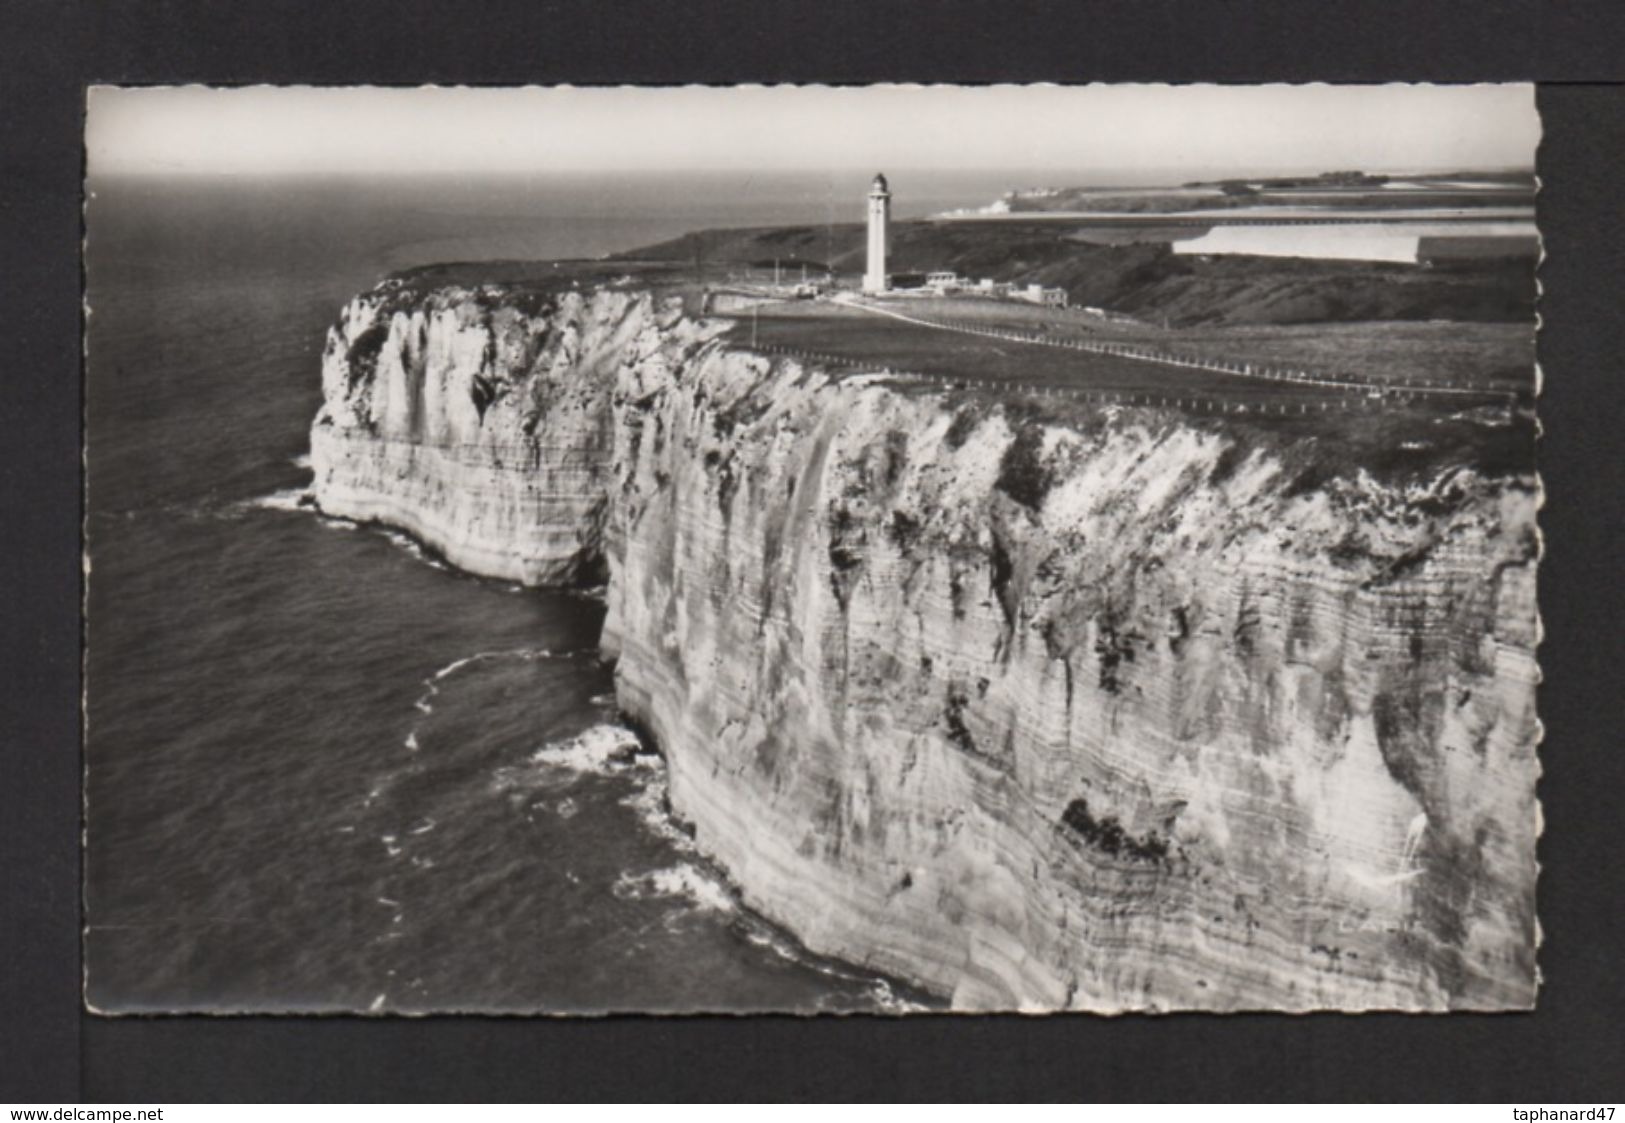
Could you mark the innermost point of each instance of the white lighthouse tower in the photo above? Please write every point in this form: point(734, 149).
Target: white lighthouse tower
point(874, 277)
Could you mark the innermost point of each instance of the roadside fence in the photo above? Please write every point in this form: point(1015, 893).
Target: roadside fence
point(1369, 398)
point(1402, 391)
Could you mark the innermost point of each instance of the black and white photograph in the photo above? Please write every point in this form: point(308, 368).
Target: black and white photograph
point(876, 550)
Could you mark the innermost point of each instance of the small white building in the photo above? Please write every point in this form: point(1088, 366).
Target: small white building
point(1049, 297)
point(942, 281)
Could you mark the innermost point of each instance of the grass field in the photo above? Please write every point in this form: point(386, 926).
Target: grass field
point(1384, 436)
point(874, 342)
point(1490, 355)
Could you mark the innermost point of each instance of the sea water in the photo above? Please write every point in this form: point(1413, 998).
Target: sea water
point(324, 771)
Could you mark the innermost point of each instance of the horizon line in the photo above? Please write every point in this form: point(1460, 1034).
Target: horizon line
point(1207, 175)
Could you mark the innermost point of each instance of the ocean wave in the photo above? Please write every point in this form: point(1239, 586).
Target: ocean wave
point(879, 991)
point(890, 1002)
point(600, 750)
point(300, 461)
point(684, 881)
point(525, 653)
point(425, 701)
point(288, 499)
point(603, 750)
point(414, 548)
point(650, 804)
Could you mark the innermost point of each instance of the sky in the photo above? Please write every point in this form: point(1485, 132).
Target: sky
point(1156, 130)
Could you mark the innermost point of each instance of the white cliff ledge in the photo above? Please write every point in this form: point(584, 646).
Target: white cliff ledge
point(1102, 711)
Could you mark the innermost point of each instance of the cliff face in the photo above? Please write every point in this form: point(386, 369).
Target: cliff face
point(480, 423)
point(1104, 711)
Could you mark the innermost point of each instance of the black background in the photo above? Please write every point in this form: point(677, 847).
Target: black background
point(1571, 1049)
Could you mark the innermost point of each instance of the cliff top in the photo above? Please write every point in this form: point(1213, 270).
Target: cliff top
point(1483, 420)
point(530, 283)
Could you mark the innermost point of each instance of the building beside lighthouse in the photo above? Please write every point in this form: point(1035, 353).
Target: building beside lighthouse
point(874, 275)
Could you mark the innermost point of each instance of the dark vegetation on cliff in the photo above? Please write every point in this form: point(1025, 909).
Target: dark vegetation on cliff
point(1023, 475)
point(362, 355)
point(1106, 833)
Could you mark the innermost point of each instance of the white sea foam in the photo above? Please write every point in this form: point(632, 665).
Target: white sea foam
point(288, 499)
point(458, 664)
point(424, 701)
point(890, 1002)
point(649, 802)
point(526, 653)
point(685, 881)
point(301, 461)
point(602, 750)
point(415, 548)
point(411, 741)
point(609, 749)
point(879, 991)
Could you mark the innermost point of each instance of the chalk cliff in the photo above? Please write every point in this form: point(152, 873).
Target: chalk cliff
point(480, 420)
point(1097, 709)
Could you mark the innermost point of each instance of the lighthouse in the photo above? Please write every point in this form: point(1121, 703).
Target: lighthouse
point(874, 277)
